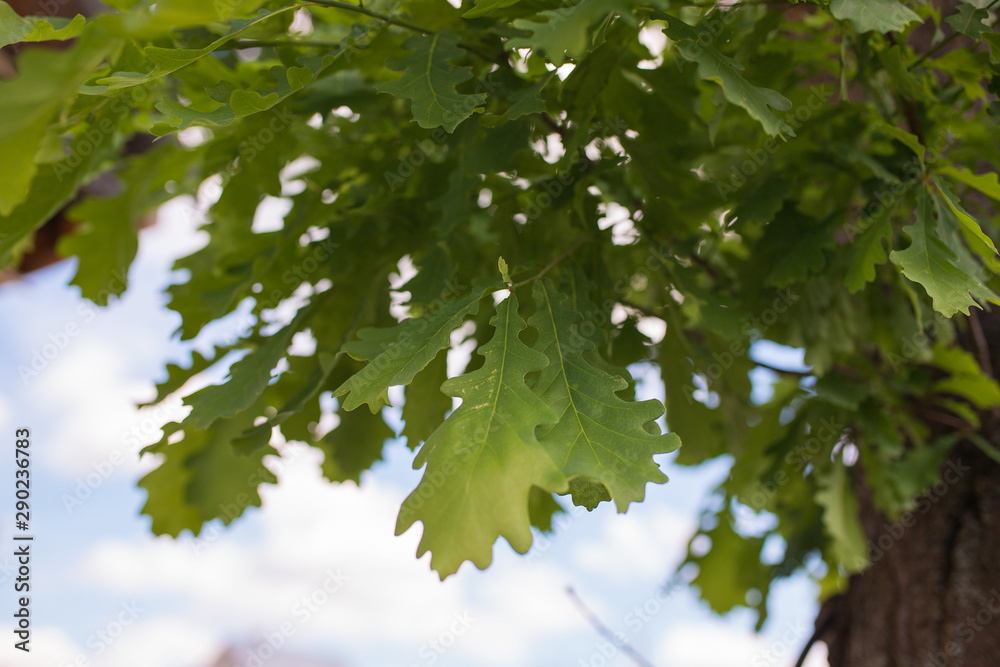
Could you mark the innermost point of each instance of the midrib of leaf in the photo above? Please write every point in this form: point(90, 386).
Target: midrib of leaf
point(401, 375)
point(925, 238)
point(496, 398)
point(965, 26)
point(562, 369)
point(569, 389)
point(947, 267)
point(430, 83)
point(448, 325)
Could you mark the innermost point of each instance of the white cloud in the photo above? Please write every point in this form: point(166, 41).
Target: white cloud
point(89, 390)
point(309, 527)
point(162, 642)
point(714, 643)
point(525, 604)
point(640, 545)
point(4, 413)
point(175, 233)
point(49, 647)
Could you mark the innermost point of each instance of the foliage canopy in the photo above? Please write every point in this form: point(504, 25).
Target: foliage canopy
point(561, 177)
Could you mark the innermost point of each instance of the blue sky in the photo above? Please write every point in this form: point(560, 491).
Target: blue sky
point(96, 564)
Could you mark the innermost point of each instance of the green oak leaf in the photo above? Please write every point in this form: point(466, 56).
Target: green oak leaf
point(542, 507)
point(909, 140)
point(166, 489)
point(434, 278)
point(721, 585)
point(429, 81)
point(527, 101)
point(178, 375)
point(598, 435)
point(398, 353)
point(879, 15)
point(242, 103)
point(867, 254)
point(55, 185)
point(805, 256)
point(567, 31)
point(840, 517)
point(484, 459)
point(967, 378)
point(354, 445)
point(106, 241)
point(587, 493)
point(986, 183)
point(969, 20)
point(962, 215)
point(16, 28)
point(895, 62)
point(149, 19)
point(930, 262)
point(484, 7)
point(725, 71)
point(992, 39)
point(426, 405)
point(247, 378)
point(202, 477)
point(293, 415)
point(29, 103)
point(166, 61)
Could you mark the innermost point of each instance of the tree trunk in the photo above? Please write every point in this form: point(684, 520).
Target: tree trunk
point(931, 597)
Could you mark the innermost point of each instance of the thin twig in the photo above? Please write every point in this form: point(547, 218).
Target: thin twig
point(545, 269)
point(983, 349)
point(805, 651)
point(909, 110)
point(946, 419)
point(260, 43)
point(981, 345)
point(948, 40)
point(551, 122)
point(603, 630)
point(703, 263)
point(783, 371)
point(648, 312)
point(337, 4)
point(475, 51)
point(361, 9)
point(828, 615)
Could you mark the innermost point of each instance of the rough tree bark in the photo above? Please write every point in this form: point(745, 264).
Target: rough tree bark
point(932, 598)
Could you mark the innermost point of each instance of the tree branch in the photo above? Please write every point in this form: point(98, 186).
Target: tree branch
point(948, 40)
point(261, 43)
point(782, 371)
point(944, 418)
point(982, 347)
point(346, 6)
point(605, 632)
point(545, 269)
point(390, 20)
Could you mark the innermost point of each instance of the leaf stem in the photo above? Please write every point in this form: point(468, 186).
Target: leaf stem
point(361, 9)
point(545, 269)
point(982, 347)
point(960, 425)
point(337, 4)
point(948, 40)
point(647, 312)
point(781, 371)
point(260, 43)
